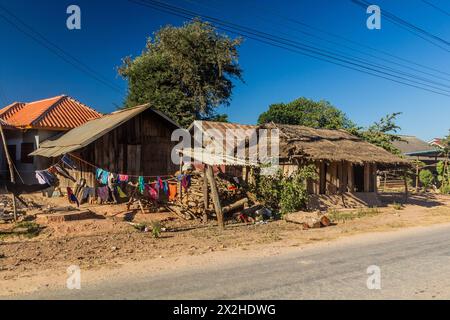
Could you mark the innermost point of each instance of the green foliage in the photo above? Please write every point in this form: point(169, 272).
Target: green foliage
point(397, 206)
point(426, 178)
point(381, 133)
point(284, 193)
point(186, 72)
point(336, 216)
point(306, 112)
point(156, 229)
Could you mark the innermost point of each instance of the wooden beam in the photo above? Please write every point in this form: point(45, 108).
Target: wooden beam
point(11, 169)
point(205, 196)
point(350, 179)
point(375, 180)
point(215, 197)
point(366, 177)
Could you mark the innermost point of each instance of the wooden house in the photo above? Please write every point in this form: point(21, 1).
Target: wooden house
point(133, 141)
point(344, 163)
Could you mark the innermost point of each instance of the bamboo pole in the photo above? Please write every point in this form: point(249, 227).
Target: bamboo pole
point(11, 169)
point(205, 195)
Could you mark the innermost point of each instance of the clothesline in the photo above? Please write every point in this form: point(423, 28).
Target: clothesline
point(129, 175)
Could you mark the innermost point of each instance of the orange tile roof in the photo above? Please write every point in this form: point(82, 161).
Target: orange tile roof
point(57, 113)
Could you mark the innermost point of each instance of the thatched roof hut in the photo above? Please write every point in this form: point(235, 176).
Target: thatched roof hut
point(344, 162)
point(300, 142)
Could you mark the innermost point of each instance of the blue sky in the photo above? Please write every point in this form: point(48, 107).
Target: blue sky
point(113, 30)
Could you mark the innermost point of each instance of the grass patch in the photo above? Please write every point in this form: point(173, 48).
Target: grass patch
point(343, 216)
point(27, 229)
point(397, 206)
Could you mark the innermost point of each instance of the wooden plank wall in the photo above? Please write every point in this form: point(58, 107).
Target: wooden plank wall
point(141, 146)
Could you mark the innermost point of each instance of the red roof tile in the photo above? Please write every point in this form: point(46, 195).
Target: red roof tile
point(61, 113)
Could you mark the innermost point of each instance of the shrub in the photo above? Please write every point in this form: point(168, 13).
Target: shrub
point(426, 178)
point(284, 193)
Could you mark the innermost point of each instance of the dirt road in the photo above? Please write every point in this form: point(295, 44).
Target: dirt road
point(106, 249)
point(413, 264)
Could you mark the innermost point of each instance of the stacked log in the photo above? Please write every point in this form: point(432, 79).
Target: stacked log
point(192, 203)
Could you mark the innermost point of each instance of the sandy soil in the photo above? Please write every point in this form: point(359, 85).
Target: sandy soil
point(103, 247)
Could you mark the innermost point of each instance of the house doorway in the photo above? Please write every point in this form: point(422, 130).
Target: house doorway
point(358, 173)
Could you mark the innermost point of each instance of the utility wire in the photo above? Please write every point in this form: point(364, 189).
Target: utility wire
point(436, 7)
point(273, 12)
point(421, 33)
point(288, 45)
point(27, 30)
point(359, 59)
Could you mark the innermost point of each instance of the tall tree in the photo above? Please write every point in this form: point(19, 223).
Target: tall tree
point(306, 112)
point(382, 133)
point(186, 72)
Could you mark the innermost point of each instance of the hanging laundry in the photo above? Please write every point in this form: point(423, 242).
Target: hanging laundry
point(20, 188)
point(104, 177)
point(123, 178)
point(63, 172)
point(166, 187)
point(72, 197)
point(141, 184)
point(121, 193)
point(103, 193)
point(45, 177)
point(152, 192)
point(52, 170)
point(173, 190)
point(68, 162)
point(84, 194)
point(98, 173)
point(91, 193)
point(112, 178)
point(160, 183)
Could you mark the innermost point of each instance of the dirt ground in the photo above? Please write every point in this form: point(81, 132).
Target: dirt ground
point(108, 242)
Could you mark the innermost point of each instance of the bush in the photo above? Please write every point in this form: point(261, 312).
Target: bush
point(426, 178)
point(284, 193)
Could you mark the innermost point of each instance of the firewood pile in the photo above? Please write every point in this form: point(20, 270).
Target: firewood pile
point(192, 203)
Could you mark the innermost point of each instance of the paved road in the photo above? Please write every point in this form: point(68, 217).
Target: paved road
point(413, 265)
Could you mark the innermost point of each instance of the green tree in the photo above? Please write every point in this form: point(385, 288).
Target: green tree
point(382, 133)
point(186, 72)
point(306, 112)
point(443, 166)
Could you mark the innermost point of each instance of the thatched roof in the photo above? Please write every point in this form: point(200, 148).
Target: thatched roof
point(299, 142)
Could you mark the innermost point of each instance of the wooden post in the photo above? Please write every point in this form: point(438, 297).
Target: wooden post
point(11, 169)
point(205, 195)
point(366, 177)
point(180, 188)
point(406, 185)
point(417, 175)
point(350, 178)
point(215, 197)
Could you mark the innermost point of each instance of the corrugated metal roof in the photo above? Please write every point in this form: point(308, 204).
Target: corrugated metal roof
point(60, 112)
point(222, 136)
point(204, 156)
point(412, 144)
point(90, 131)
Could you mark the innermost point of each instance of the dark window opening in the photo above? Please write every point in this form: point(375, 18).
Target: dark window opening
point(358, 173)
point(25, 149)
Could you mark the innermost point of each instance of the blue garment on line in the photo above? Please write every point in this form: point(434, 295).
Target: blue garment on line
point(68, 162)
